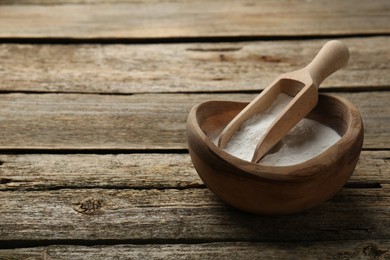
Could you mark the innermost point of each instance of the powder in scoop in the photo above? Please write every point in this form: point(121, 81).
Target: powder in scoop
point(306, 140)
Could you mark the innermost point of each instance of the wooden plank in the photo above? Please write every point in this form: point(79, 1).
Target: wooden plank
point(190, 19)
point(182, 216)
point(152, 121)
point(372, 167)
point(366, 249)
point(182, 67)
point(138, 171)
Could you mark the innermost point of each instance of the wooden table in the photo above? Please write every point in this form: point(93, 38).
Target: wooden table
point(93, 103)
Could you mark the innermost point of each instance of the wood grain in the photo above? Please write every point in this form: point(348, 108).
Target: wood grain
point(182, 67)
point(151, 121)
point(366, 249)
point(182, 216)
point(190, 19)
point(138, 171)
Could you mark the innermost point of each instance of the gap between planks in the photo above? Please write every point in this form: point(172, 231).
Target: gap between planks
point(180, 40)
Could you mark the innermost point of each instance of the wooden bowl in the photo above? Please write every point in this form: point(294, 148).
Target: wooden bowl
point(275, 190)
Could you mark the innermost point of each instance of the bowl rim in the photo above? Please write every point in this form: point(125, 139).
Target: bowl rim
point(307, 168)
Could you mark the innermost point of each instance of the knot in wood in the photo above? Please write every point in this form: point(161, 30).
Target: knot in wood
point(374, 251)
point(89, 205)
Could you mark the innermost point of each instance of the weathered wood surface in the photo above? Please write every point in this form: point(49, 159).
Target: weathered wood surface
point(153, 205)
point(142, 121)
point(367, 249)
point(182, 67)
point(189, 19)
point(139, 171)
point(182, 216)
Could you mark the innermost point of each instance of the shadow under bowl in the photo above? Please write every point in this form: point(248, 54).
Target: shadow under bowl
point(275, 190)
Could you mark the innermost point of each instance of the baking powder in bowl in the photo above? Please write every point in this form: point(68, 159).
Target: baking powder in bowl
point(306, 140)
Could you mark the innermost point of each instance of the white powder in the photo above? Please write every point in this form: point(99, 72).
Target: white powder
point(306, 140)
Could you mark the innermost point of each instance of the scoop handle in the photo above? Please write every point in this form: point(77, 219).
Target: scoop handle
point(332, 56)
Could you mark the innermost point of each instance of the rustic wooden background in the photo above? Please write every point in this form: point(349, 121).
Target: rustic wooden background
point(94, 96)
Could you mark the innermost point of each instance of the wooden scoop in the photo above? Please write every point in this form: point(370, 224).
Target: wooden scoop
point(302, 85)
